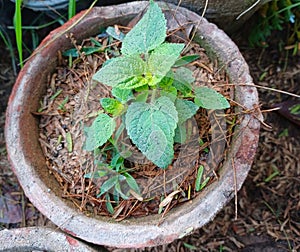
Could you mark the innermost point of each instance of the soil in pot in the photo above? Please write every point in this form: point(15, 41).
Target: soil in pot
point(72, 101)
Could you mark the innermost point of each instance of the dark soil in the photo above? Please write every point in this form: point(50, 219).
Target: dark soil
point(269, 201)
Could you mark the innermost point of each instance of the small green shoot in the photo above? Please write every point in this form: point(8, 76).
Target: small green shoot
point(201, 143)
point(120, 183)
point(71, 8)
point(69, 142)
point(57, 93)
point(189, 246)
point(295, 109)
point(198, 185)
point(63, 103)
point(59, 140)
point(18, 29)
point(273, 175)
point(284, 133)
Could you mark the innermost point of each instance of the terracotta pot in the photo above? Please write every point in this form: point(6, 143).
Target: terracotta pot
point(41, 239)
point(229, 15)
point(28, 161)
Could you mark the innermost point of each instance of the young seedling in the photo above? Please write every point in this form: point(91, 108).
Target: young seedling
point(153, 93)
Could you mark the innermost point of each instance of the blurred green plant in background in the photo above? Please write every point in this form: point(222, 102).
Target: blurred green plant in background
point(22, 27)
point(278, 15)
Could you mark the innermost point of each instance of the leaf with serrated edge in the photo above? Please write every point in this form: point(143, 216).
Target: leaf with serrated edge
point(163, 58)
point(185, 109)
point(151, 127)
point(147, 34)
point(120, 70)
point(180, 133)
point(122, 95)
point(210, 99)
point(133, 83)
point(99, 132)
point(183, 78)
point(112, 106)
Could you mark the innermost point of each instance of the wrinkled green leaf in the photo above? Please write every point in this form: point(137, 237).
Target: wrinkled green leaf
point(112, 106)
point(162, 59)
point(99, 132)
point(183, 79)
point(183, 132)
point(151, 127)
point(122, 95)
point(185, 60)
point(185, 109)
point(170, 92)
point(167, 80)
point(180, 133)
point(147, 34)
point(133, 83)
point(210, 99)
point(120, 70)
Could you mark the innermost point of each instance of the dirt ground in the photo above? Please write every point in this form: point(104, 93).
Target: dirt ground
point(269, 201)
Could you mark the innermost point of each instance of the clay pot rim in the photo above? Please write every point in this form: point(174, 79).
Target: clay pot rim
point(40, 238)
point(144, 231)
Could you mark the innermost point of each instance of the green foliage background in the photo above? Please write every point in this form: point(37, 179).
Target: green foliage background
point(277, 15)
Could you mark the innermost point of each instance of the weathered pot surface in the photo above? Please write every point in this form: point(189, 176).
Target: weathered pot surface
point(28, 161)
point(41, 239)
point(229, 15)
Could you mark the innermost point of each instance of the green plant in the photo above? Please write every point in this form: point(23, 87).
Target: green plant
point(18, 29)
point(153, 92)
point(120, 182)
point(274, 16)
point(71, 8)
point(8, 43)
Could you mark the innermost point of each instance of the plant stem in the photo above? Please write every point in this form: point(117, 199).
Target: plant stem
point(153, 95)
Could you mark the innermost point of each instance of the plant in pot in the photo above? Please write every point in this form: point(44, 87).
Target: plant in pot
point(151, 99)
